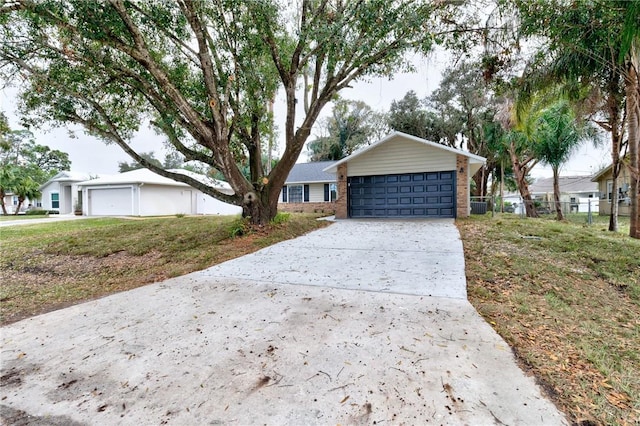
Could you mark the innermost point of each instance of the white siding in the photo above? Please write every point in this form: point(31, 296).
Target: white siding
point(209, 205)
point(401, 156)
point(46, 194)
point(316, 192)
point(156, 200)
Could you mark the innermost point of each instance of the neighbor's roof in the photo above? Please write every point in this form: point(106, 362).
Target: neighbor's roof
point(68, 176)
point(148, 177)
point(472, 157)
point(568, 185)
point(311, 173)
point(606, 170)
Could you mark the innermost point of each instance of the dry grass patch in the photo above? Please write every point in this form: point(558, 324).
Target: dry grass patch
point(567, 299)
point(49, 266)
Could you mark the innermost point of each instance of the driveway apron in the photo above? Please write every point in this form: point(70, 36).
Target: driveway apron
point(362, 322)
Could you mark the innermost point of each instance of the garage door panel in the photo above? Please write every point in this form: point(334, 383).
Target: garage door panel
point(377, 196)
point(110, 202)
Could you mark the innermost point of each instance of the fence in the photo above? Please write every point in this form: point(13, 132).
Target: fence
point(580, 207)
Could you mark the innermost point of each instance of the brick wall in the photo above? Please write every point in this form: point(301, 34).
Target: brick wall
point(462, 186)
point(326, 207)
point(342, 209)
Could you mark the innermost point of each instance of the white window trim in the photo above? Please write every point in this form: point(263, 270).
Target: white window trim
point(51, 199)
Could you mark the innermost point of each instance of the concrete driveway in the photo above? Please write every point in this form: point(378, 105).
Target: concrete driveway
point(363, 322)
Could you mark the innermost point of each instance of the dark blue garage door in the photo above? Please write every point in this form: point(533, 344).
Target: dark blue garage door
point(429, 194)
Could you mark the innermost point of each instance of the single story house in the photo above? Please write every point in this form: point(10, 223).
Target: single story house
point(143, 193)
point(576, 193)
point(309, 189)
point(403, 176)
point(604, 180)
point(11, 203)
point(62, 192)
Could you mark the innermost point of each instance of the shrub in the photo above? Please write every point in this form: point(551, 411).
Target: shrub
point(37, 212)
point(239, 227)
point(280, 217)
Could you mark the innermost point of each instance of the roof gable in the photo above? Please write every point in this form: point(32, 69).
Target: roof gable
point(146, 176)
point(395, 135)
point(67, 176)
point(568, 184)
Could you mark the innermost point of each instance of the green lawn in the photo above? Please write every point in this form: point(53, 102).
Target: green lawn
point(566, 296)
point(52, 265)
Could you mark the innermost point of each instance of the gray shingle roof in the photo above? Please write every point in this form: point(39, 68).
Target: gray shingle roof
point(311, 172)
point(568, 185)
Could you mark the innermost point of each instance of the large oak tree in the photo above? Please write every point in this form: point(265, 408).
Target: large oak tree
point(204, 72)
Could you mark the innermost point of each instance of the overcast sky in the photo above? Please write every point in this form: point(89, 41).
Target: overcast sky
point(90, 155)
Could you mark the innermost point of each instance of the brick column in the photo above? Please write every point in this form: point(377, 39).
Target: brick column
point(462, 186)
point(342, 209)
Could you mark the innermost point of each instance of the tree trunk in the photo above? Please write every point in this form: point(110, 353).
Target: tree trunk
point(556, 194)
point(633, 118)
point(258, 209)
point(4, 208)
point(502, 186)
point(614, 120)
point(477, 179)
point(20, 201)
point(520, 173)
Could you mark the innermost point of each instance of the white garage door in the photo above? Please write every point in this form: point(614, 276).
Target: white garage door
point(110, 202)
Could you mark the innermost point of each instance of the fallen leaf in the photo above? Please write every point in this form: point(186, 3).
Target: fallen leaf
point(619, 400)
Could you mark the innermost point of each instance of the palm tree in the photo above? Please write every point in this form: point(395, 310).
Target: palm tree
point(557, 135)
point(588, 46)
point(26, 189)
point(7, 182)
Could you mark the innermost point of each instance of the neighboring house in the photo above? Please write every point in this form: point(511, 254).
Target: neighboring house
point(403, 176)
point(604, 180)
point(144, 193)
point(309, 189)
point(513, 203)
point(62, 193)
point(576, 192)
point(11, 202)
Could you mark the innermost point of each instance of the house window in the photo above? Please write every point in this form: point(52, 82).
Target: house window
point(55, 200)
point(14, 200)
point(330, 191)
point(295, 193)
point(609, 190)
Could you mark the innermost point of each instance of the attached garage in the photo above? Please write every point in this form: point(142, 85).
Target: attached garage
point(110, 201)
point(402, 176)
point(144, 193)
point(426, 194)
